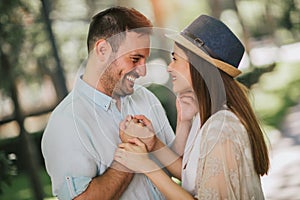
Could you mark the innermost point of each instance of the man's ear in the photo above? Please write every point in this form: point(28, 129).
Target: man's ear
point(103, 50)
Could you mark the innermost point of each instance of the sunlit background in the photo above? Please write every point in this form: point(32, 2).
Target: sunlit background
point(43, 44)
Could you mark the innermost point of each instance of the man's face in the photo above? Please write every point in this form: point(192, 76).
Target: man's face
point(129, 63)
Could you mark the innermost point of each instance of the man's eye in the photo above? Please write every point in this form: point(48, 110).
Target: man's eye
point(173, 58)
point(135, 60)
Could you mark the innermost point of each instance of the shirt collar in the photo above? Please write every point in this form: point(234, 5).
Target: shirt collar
point(96, 96)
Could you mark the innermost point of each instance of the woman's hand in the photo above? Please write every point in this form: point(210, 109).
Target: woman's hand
point(187, 106)
point(123, 125)
point(138, 126)
point(134, 156)
point(144, 120)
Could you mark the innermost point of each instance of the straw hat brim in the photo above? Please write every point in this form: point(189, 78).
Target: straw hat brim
point(227, 68)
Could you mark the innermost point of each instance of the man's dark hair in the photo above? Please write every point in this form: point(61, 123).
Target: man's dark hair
point(113, 21)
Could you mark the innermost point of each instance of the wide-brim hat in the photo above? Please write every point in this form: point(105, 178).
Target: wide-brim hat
point(213, 41)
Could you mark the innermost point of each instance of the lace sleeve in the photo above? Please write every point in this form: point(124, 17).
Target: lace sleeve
point(225, 163)
point(220, 172)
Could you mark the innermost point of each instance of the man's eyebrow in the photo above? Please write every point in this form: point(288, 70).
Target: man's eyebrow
point(137, 55)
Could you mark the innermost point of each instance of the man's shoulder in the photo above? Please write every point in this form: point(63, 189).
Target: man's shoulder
point(63, 106)
point(63, 113)
point(61, 123)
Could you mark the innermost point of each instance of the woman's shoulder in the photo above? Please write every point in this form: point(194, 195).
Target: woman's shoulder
point(224, 124)
point(223, 118)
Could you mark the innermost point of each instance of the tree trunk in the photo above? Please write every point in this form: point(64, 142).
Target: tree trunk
point(246, 34)
point(27, 145)
point(215, 7)
point(60, 82)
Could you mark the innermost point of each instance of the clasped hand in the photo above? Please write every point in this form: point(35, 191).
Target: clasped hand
point(138, 138)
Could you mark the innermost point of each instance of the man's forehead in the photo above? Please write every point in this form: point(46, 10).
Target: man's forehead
point(135, 42)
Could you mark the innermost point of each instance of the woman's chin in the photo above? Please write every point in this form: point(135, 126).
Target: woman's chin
point(178, 90)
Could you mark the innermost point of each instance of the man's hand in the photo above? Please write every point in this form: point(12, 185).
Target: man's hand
point(134, 156)
point(140, 127)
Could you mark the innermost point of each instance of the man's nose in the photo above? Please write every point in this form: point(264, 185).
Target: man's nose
point(141, 70)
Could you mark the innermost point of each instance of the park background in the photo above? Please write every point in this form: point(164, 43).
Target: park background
point(43, 44)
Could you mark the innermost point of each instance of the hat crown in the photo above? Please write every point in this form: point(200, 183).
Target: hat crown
point(218, 40)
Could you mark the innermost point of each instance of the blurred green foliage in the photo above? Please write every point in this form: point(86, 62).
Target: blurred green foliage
point(276, 92)
point(20, 187)
point(7, 170)
point(23, 43)
point(11, 37)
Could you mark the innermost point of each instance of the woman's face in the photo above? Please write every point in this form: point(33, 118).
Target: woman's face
point(179, 70)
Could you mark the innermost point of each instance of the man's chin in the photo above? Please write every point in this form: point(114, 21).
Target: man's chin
point(124, 93)
point(129, 92)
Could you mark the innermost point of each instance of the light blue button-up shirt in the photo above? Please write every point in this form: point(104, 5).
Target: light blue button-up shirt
point(82, 135)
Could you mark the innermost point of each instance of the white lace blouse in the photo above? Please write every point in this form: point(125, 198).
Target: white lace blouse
point(219, 164)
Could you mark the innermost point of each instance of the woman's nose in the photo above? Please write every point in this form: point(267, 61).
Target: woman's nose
point(169, 68)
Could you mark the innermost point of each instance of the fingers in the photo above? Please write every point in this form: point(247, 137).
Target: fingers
point(188, 98)
point(144, 120)
point(128, 117)
point(187, 106)
point(126, 146)
point(141, 119)
point(134, 145)
point(188, 92)
point(137, 142)
point(139, 163)
point(187, 95)
point(123, 123)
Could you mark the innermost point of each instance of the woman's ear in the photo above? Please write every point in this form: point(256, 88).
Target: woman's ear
point(103, 49)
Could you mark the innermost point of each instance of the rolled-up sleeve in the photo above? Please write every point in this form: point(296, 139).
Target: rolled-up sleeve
point(68, 162)
point(72, 187)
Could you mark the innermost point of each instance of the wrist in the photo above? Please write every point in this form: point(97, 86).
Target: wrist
point(185, 122)
point(158, 145)
point(184, 125)
point(119, 167)
point(149, 167)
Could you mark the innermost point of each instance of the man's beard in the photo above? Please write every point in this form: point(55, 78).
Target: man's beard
point(125, 87)
point(114, 84)
point(110, 76)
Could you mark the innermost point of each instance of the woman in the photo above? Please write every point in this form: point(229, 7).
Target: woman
point(225, 153)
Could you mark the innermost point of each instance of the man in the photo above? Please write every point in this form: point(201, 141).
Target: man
point(83, 131)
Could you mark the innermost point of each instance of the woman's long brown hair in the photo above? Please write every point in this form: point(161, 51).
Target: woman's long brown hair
point(208, 95)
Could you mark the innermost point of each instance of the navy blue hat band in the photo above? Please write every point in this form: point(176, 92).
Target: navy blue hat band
point(199, 43)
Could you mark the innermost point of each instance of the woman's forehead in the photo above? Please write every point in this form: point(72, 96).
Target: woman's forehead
point(179, 52)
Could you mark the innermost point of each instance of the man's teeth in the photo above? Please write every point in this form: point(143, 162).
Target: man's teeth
point(130, 78)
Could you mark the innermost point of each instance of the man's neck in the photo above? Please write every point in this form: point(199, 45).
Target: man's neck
point(91, 75)
point(118, 101)
point(101, 89)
